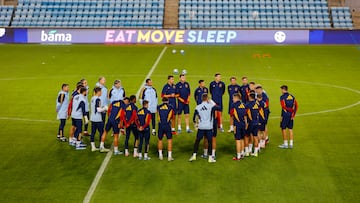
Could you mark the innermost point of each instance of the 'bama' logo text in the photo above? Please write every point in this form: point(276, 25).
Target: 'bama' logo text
point(53, 36)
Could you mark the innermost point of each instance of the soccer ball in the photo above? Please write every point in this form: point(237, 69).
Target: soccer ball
point(176, 71)
point(184, 72)
point(182, 52)
point(255, 14)
point(174, 51)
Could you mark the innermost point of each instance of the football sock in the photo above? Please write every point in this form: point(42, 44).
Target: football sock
point(101, 144)
point(250, 147)
point(285, 142)
point(126, 151)
point(238, 155)
point(172, 129)
point(135, 150)
point(160, 153)
point(145, 155)
point(93, 145)
point(194, 154)
point(169, 153)
point(116, 149)
point(291, 142)
point(179, 127)
point(232, 128)
point(187, 128)
point(205, 152)
point(221, 126)
point(213, 152)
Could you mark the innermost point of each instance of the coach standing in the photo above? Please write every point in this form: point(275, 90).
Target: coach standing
point(103, 98)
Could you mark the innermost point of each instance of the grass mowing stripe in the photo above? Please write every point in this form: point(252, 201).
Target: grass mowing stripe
point(109, 154)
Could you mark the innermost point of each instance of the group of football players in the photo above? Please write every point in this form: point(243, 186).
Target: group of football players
point(248, 111)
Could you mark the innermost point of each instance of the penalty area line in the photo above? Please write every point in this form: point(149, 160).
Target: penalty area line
point(106, 161)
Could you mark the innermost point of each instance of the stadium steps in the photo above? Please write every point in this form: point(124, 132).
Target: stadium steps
point(10, 2)
point(171, 14)
point(356, 19)
point(335, 3)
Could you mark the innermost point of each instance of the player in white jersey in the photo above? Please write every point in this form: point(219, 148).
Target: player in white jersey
point(95, 117)
point(77, 115)
point(62, 103)
point(205, 112)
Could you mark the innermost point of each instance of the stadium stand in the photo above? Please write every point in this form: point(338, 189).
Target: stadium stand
point(239, 14)
point(5, 15)
point(183, 14)
point(341, 17)
point(85, 13)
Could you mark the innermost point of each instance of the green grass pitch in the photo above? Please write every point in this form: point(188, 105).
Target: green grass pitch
point(323, 166)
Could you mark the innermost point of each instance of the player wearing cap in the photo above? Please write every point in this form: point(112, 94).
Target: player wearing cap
point(233, 88)
point(289, 107)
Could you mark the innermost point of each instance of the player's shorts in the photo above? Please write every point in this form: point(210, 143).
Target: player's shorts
point(164, 129)
point(183, 108)
point(76, 122)
point(239, 132)
point(252, 130)
point(262, 125)
point(220, 106)
point(114, 125)
point(286, 122)
point(201, 133)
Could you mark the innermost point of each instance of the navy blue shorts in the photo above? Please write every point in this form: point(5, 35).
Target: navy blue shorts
point(252, 129)
point(267, 113)
point(239, 132)
point(262, 125)
point(76, 122)
point(286, 122)
point(183, 108)
point(114, 125)
point(164, 129)
point(201, 133)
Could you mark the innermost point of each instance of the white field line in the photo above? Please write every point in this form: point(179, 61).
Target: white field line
point(28, 120)
point(106, 161)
